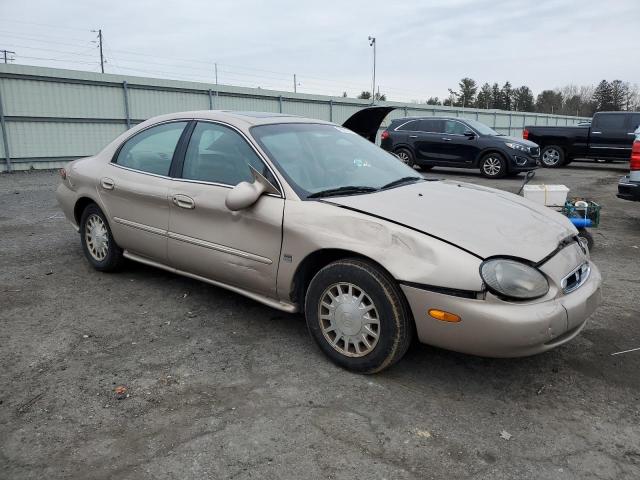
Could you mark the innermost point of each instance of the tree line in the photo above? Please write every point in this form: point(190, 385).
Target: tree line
point(581, 101)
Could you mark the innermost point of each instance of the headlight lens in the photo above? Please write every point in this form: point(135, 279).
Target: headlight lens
point(513, 279)
point(517, 146)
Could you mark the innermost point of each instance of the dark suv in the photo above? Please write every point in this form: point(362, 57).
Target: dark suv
point(458, 142)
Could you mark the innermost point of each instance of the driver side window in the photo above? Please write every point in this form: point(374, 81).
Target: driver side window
point(219, 154)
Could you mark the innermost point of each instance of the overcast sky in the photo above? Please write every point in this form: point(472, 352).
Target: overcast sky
point(423, 47)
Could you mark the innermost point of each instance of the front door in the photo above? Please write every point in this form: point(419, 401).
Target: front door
point(134, 188)
point(609, 136)
point(240, 248)
point(454, 147)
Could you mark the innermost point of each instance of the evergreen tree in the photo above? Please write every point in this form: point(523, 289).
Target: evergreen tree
point(523, 99)
point(549, 101)
point(496, 97)
point(603, 96)
point(484, 99)
point(434, 101)
point(507, 95)
point(619, 92)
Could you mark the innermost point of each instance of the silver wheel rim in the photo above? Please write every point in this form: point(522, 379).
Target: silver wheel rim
point(349, 319)
point(492, 166)
point(96, 237)
point(403, 156)
point(551, 157)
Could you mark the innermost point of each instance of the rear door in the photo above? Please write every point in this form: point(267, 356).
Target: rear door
point(134, 188)
point(610, 135)
point(426, 140)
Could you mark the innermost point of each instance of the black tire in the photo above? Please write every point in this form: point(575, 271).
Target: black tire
point(394, 328)
point(586, 234)
point(405, 156)
point(552, 156)
point(108, 259)
point(493, 165)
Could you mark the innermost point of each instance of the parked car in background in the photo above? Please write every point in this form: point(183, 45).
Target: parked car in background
point(429, 142)
point(307, 216)
point(608, 137)
point(629, 185)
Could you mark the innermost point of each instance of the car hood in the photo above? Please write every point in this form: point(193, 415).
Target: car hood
point(521, 141)
point(483, 221)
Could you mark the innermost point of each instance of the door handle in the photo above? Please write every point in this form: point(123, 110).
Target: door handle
point(631, 133)
point(596, 133)
point(413, 136)
point(107, 183)
point(446, 139)
point(183, 201)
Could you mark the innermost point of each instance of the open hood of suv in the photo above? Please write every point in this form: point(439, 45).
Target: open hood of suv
point(367, 121)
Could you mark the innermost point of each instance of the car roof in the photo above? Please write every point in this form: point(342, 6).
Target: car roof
point(245, 119)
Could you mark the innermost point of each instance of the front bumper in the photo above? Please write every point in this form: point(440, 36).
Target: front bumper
point(521, 162)
point(628, 189)
point(494, 328)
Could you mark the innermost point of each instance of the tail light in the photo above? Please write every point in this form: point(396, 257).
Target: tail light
point(635, 156)
point(384, 135)
point(525, 134)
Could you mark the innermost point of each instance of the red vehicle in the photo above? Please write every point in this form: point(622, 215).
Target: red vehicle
point(629, 185)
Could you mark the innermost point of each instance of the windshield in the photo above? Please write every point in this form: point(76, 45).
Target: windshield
point(481, 128)
point(317, 158)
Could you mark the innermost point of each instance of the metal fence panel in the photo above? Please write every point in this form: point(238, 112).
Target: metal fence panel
point(53, 115)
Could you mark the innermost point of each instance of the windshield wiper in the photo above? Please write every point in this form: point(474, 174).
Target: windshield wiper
point(346, 190)
point(401, 181)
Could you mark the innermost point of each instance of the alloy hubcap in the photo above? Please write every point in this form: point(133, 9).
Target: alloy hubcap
point(349, 319)
point(551, 157)
point(404, 158)
point(97, 237)
point(492, 166)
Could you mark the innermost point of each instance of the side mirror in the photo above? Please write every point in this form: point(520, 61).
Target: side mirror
point(469, 133)
point(245, 194)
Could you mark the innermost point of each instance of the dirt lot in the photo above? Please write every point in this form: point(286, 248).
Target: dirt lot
point(222, 387)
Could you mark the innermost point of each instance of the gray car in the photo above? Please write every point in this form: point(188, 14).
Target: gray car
point(307, 216)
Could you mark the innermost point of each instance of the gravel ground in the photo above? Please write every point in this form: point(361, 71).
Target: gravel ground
point(222, 387)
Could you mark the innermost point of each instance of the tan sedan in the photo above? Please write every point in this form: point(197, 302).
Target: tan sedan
point(307, 216)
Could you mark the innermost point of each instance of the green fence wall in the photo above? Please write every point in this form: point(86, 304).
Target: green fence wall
point(50, 116)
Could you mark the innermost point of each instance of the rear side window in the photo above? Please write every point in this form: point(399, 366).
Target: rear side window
point(412, 126)
point(608, 121)
point(431, 126)
point(219, 154)
point(152, 150)
point(635, 122)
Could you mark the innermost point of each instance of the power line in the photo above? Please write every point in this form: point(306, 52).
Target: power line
point(7, 55)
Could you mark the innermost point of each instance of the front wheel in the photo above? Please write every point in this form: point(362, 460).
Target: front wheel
point(358, 316)
point(493, 165)
point(98, 244)
point(552, 156)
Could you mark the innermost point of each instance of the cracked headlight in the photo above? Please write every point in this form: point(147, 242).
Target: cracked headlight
point(517, 146)
point(513, 279)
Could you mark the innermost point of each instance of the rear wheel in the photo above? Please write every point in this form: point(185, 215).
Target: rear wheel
point(405, 156)
point(493, 165)
point(358, 316)
point(552, 156)
point(98, 244)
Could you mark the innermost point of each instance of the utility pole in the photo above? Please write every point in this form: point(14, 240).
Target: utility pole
point(295, 84)
point(99, 32)
point(372, 43)
point(7, 59)
point(216, 68)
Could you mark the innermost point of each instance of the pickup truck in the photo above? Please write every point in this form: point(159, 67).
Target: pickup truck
point(608, 138)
